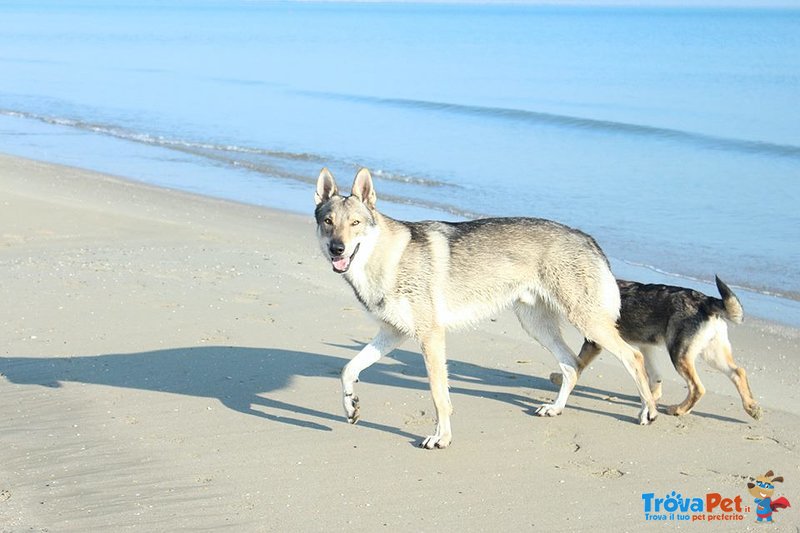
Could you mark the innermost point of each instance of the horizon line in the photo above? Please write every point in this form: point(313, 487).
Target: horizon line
point(688, 4)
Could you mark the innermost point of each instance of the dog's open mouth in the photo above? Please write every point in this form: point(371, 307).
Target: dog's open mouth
point(342, 263)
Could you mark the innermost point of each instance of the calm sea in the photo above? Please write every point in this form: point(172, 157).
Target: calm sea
point(672, 136)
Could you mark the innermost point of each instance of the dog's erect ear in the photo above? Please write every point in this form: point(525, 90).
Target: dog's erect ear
point(751, 485)
point(778, 479)
point(769, 474)
point(363, 189)
point(326, 187)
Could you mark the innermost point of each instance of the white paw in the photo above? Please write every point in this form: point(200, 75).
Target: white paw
point(646, 416)
point(351, 408)
point(436, 441)
point(548, 409)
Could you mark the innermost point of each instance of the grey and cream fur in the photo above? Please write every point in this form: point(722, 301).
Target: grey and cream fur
point(689, 324)
point(420, 279)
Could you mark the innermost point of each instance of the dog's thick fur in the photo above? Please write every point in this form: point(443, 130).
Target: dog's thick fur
point(689, 324)
point(422, 278)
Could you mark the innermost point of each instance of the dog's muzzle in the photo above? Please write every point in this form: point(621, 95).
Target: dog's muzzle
point(341, 262)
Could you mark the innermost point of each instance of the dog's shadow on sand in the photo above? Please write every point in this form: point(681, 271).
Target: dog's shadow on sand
point(246, 379)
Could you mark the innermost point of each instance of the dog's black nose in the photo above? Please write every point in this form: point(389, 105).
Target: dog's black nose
point(336, 247)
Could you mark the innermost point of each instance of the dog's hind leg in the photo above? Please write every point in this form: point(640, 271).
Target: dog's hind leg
point(543, 325)
point(719, 354)
point(684, 363)
point(653, 374)
point(387, 339)
point(433, 350)
point(588, 352)
point(608, 337)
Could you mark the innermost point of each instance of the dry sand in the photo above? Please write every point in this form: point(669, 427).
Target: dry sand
point(171, 363)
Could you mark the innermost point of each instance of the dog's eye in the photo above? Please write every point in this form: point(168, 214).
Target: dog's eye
point(355, 223)
point(329, 221)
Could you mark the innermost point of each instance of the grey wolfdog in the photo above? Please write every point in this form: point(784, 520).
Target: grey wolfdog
point(689, 324)
point(420, 279)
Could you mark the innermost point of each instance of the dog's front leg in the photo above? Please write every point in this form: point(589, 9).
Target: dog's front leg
point(387, 339)
point(433, 349)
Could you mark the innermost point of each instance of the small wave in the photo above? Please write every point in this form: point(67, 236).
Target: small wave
point(568, 121)
point(224, 152)
point(786, 295)
point(412, 180)
point(259, 160)
point(162, 141)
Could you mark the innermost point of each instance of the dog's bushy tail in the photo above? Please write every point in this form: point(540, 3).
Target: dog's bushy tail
point(731, 307)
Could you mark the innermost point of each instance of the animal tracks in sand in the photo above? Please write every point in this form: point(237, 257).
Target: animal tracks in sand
point(589, 466)
point(418, 418)
point(594, 469)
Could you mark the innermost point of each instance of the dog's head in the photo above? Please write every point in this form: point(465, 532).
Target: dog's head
point(764, 486)
point(346, 225)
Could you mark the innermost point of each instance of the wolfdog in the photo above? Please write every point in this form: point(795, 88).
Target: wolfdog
point(689, 323)
point(422, 278)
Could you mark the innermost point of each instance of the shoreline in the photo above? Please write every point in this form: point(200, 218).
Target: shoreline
point(234, 180)
point(761, 301)
point(172, 362)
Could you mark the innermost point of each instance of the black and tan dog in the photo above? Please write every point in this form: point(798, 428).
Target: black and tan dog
point(689, 323)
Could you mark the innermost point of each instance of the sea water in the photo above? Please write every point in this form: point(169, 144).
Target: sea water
point(670, 135)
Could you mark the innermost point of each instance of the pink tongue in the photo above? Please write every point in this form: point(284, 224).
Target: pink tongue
point(341, 263)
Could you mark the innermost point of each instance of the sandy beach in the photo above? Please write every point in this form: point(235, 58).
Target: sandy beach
point(172, 363)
